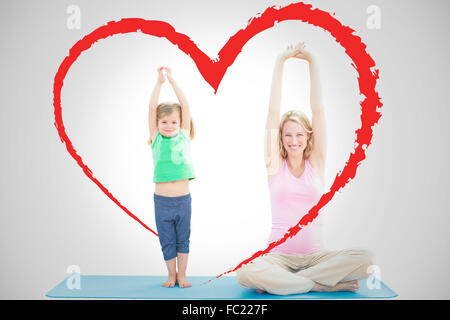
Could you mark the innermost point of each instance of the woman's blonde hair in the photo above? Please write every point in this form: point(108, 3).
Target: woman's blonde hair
point(300, 118)
point(166, 108)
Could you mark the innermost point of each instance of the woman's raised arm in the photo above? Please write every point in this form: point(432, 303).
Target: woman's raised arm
point(319, 152)
point(271, 147)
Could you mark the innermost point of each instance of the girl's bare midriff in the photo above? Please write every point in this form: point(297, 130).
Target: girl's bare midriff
point(172, 188)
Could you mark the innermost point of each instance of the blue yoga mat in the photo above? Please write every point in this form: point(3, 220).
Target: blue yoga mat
point(227, 287)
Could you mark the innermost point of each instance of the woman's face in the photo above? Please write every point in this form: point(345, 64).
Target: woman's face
point(169, 125)
point(294, 138)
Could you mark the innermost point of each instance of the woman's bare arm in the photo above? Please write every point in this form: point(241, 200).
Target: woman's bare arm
point(271, 147)
point(319, 152)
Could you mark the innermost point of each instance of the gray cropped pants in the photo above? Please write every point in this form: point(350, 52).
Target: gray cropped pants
point(284, 274)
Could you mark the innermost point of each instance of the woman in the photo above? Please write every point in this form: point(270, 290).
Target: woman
point(295, 154)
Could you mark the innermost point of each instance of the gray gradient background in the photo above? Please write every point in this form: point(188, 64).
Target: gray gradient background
point(53, 216)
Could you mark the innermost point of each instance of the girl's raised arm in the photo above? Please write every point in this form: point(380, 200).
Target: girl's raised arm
point(152, 125)
point(185, 110)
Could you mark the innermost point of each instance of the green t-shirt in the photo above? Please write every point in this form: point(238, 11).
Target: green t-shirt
point(172, 158)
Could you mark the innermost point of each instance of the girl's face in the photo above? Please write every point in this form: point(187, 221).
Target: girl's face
point(294, 138)
point(169, 125)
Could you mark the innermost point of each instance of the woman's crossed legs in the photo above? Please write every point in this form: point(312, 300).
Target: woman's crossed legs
point(284, 274)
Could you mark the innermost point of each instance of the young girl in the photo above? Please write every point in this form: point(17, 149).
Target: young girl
point(171, 129)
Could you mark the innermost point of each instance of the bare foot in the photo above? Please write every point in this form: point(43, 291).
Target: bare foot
point(182, 281)
point(170, 283)
point(260, 291)
point(351, 286)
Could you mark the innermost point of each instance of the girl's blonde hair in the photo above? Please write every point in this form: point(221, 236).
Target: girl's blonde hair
point(300, 118)
point(166, 108)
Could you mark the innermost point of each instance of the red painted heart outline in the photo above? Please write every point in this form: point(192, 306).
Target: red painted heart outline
point(214, 70)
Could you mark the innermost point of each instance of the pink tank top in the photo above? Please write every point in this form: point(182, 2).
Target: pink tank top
point(291, 198)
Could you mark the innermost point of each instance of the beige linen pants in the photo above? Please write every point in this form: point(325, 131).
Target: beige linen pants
point(283, 274)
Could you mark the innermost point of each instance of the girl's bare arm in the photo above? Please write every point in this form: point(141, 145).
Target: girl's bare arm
point(185, 110)
point(152, 125)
